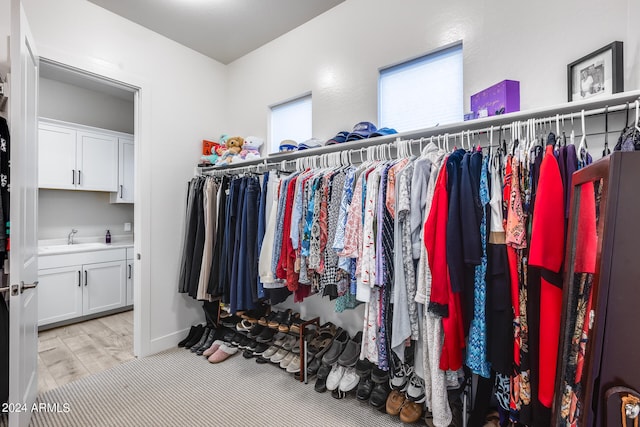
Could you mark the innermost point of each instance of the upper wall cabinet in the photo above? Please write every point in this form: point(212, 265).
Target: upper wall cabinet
point(125, 171)
point(76, 157)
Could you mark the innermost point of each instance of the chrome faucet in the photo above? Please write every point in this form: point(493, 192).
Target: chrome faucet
point(70, 236)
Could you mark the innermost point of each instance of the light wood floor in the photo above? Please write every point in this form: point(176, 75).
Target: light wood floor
point(71, 352)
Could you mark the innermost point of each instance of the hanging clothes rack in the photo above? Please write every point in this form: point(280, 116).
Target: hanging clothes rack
point(542, 118)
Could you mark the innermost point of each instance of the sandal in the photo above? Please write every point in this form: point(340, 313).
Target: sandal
point(280, 317)
point(287, 324)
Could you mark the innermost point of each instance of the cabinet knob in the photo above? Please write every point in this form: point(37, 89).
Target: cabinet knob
point(79, 278)
point(73, 177)
point(85, 277)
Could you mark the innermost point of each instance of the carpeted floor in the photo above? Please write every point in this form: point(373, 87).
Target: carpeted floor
point(178, 388)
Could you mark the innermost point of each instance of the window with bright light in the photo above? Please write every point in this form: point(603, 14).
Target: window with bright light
point(290, 120)
point(423, 92)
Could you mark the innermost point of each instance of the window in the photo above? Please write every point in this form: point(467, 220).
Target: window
point(290, 120)
point(422, 92)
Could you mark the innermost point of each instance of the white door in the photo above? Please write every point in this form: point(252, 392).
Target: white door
point(105, 287)
point(56, 157)
point(23, 257)
point(97, 161)
point(60, 294)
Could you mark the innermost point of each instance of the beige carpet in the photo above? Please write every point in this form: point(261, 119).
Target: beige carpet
point(178, 388)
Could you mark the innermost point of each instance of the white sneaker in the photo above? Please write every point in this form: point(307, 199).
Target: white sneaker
point(349, 380)
point(415, 391)
point(400, 378)
point(333, 380)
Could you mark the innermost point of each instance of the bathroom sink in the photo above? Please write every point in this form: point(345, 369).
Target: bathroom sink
point(78, 247)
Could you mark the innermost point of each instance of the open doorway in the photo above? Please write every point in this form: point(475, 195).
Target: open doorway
point(85, 224)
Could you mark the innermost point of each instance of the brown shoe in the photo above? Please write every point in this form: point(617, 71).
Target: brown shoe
point(411, 412)
point(395, 401)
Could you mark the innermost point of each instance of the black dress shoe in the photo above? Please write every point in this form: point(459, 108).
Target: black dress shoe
point(192, 331)
point(381, 389)
point(247, 354)
point(210, 339)
point(228, 335)
point(205, 335)
point(313, 366)
point(321, 380)
point(336, 349)
point(365, 385)
point(351, 352)
point(197, 336)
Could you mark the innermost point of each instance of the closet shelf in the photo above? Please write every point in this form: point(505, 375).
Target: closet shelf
point(568, 111)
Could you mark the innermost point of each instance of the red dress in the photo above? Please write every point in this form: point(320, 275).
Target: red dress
point(444, 301)
point(547, 252)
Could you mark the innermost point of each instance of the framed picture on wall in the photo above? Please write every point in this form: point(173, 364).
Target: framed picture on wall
point(598, 74)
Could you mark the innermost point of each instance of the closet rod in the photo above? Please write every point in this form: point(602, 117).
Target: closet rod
point(617, 102)
point(5, 289)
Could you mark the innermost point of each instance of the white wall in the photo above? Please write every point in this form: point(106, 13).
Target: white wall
point(5, 30)
point(181, 102)
point(338, 54)
point(337, 57)
point(63, 101)
point(87, 211)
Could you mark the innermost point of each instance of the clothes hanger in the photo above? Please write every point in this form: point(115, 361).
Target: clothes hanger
point(582, 148)
point(491, 142)
point(606, 151)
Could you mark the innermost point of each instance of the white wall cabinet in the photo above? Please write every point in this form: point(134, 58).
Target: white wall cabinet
point(77, 157)
point(125, 171)
point(82, 284)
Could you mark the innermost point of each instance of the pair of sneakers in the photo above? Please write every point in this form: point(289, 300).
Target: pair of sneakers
point(342, 378)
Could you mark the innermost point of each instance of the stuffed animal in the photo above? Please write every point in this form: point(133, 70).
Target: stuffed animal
point(234, 144)
point(251, 148)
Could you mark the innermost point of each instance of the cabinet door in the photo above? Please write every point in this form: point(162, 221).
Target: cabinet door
point(97, 161)
point(56, 157)
point(104, 286)
point(129, 282)
point(125, 171)
point(59, 294)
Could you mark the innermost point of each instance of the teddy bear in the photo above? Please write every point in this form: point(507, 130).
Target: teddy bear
point(233, 146)
point(251, 148)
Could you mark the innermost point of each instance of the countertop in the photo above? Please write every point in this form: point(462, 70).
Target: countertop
point(59, 246)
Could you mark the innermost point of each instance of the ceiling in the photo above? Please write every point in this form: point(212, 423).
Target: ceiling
point(224, 30)
point(53, 71)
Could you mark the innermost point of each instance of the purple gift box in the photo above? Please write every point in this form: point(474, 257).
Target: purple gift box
point(501, 98)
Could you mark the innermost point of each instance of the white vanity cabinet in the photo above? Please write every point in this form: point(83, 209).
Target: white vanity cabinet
point(129, 276)
point(80, 284)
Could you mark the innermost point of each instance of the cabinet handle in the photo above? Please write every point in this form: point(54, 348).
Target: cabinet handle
point(73, 177)
point(129, 271)
point(85, 277)
point(121, 191)
point(79, 176)
point(79, 278)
